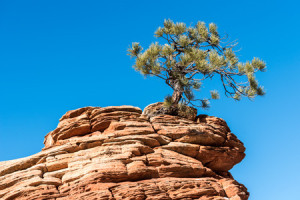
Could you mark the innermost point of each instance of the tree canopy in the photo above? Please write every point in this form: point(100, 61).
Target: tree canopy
point(192, 54)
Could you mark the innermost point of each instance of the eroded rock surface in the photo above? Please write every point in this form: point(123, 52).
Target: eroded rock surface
point(118, 153)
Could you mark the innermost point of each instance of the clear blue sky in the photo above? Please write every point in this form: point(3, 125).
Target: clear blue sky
point(61, 55)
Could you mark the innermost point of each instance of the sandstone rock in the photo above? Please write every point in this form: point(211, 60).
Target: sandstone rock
point(159, 109)
point(87, 120)
point(219, 158)
point(118, 153)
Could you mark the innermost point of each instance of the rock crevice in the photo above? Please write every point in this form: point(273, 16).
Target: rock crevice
point(117, 152)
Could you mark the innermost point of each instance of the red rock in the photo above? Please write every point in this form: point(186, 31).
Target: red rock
point(219, 158)
point(119, 153)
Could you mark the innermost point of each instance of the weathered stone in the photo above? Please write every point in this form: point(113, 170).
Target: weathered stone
point(219, 158)
point(158, 108)
point(118, 153)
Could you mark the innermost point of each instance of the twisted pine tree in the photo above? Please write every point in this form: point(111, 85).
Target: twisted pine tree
point(193, 54)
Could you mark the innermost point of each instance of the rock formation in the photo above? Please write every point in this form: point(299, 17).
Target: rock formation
point(117, 152)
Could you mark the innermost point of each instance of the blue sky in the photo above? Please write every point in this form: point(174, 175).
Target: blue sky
point(61, 55)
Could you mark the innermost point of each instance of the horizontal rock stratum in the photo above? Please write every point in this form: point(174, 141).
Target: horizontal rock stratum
point(117, 152)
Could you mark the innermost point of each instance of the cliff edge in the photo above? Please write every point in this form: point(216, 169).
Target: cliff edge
point(118, 152)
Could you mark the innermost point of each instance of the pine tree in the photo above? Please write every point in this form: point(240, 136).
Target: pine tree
point(193, 54)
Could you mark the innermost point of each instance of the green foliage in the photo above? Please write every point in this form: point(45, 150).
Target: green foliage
point(204, 103)
point(214, 94)
point(193, 54)
point(168, 101)
point(135, 49)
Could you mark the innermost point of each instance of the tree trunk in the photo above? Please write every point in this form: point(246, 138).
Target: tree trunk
point(176, 97)
point(177, 94)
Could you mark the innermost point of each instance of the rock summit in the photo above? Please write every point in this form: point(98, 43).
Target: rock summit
point(119, 152)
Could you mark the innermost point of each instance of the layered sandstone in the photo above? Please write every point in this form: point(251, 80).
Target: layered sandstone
point(119, 153)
